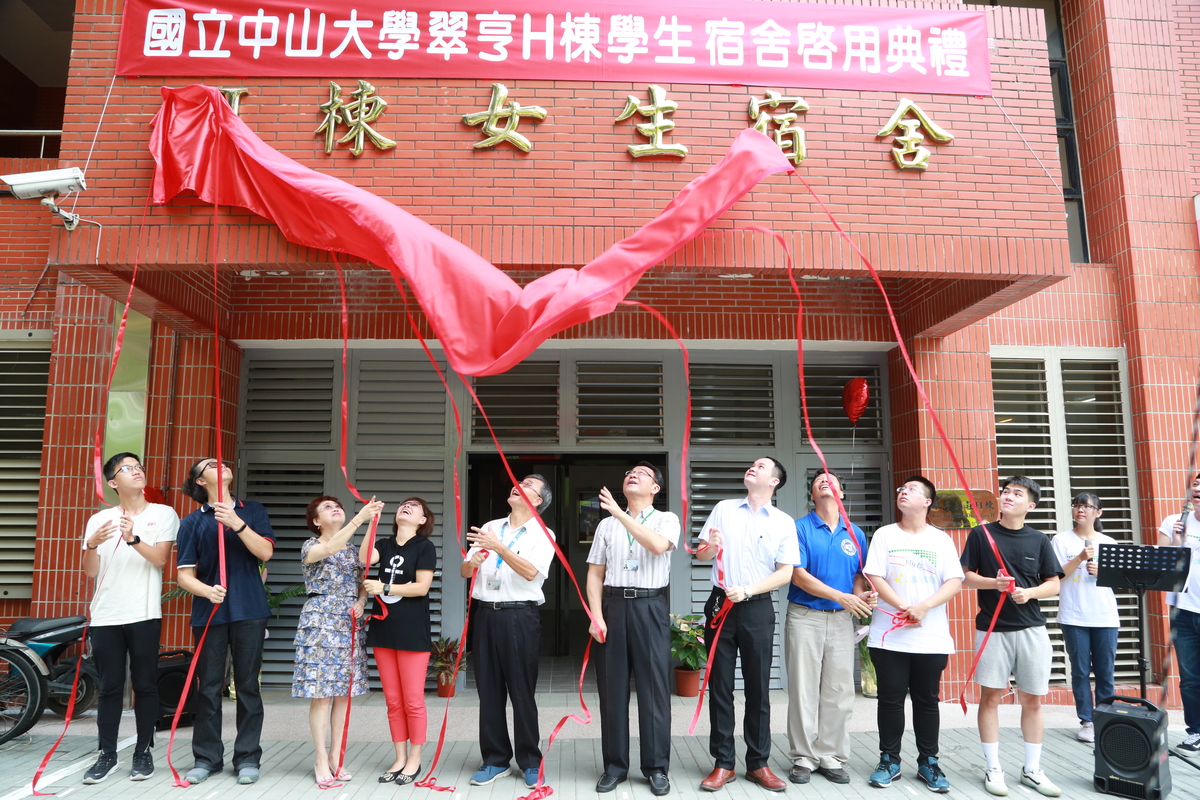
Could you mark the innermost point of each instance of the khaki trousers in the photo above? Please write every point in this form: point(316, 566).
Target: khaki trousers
point(819, 656)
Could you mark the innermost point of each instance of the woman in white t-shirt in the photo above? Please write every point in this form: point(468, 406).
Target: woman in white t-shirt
point(1087, 612)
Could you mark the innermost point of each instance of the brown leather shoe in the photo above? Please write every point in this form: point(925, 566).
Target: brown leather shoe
point(766, 779)
point(717, 779)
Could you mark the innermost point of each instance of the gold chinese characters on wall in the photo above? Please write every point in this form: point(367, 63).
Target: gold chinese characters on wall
point(774, 114)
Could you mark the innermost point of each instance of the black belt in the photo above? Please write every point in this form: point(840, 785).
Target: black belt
point(629, 593)
point(717, 590)
point(823, 610)
point(501, 606)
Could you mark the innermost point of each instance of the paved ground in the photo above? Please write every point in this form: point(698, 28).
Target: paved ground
point(572, 766)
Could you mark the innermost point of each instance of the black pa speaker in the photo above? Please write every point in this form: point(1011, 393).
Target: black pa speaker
point(172, 675)
point(1131, 749)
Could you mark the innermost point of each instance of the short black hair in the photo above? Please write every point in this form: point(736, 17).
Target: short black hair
point(190, 487)
point(110, 466)
point(831, 474)
point(930, 489)
point(1028, 484)
point(658, 476)
point(780, 472)
point(545, 493)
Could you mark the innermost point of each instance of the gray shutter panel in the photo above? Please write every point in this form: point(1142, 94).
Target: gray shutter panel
point(823, 385)
point(399, 404)
point(290, 402)
point(24, 374)
point(1095, 420)
point(733, 404)
point(1023, 438)
point(522, 404)
point(621, 400)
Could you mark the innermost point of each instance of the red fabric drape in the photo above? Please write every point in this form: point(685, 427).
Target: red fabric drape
point(483, 319)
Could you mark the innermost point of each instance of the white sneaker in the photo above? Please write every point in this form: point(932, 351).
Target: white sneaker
point(1190, 745)
point(1087, 732)
point(1038, 780)
point(993, 781)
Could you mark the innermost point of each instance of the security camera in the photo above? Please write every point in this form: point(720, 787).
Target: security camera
point(47, 183)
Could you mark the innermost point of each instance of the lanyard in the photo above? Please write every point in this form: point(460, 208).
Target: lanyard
point(645, 516)
point(508, 545)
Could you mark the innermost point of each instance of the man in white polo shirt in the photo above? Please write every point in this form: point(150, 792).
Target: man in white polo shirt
point(629, 567)
point(759, 550)
point(508, 629)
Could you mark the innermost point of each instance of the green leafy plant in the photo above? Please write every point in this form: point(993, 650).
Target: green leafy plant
point(275, 600)
point(441, 660)
point(687, 640)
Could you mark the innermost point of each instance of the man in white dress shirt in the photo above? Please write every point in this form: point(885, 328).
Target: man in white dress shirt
point(759, 549)
point(508, 629)
point(629, 567)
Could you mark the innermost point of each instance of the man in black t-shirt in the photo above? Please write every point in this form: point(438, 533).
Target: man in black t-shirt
point(1019, 645)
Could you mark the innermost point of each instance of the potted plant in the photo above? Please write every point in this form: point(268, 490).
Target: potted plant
point(442, 656)
point(687, 648)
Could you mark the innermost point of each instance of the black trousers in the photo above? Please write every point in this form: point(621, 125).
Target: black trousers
point(113, 646)
point(243, 641)
point(917, 675)
point(749, 631)
point(505, 654)
point(638, 642)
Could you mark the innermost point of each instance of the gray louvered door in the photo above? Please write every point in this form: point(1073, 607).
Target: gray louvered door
point(290, 454)
point(23, 380)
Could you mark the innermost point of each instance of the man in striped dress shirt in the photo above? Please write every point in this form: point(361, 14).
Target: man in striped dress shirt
point(629, 567)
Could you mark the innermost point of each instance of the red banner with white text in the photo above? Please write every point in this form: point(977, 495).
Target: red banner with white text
point(772, 44)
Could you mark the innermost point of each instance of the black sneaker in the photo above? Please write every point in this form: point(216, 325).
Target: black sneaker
point(143, 766)
point(105, 765)
point(1190, 745)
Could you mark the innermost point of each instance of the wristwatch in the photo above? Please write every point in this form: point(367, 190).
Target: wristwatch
point(239, 530)
point(136, 540)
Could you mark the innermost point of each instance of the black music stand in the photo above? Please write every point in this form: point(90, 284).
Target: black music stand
point(1143, 568)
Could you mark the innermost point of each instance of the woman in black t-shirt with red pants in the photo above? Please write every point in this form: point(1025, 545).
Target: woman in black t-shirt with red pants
point(401, 641)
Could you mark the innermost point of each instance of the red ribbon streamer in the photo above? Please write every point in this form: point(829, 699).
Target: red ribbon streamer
point(98, 475)
point(220, 467)
point(937, 423)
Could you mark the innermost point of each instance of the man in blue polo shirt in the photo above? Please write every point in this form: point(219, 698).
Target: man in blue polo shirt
point(828, 592)
point(239, 623)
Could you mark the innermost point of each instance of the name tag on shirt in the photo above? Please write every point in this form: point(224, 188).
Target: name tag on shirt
point(493, 584)
point(631, 565)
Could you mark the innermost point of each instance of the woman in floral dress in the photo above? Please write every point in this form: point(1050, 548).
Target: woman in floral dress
point(333, 582)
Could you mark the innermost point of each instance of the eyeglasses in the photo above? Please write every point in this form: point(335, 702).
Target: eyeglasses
point(411, 504)
point(132, 468)
point(329, 507)
point(1085, 505)
point(213, 463)
point(641, 472)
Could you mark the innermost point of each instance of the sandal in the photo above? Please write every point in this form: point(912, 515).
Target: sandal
point(390, 777)
point(344, 775)
point(403, 779)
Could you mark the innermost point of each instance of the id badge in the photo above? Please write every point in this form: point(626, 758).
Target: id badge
point(493, 584)
point(631, 564)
